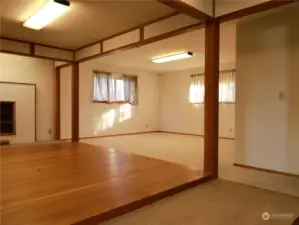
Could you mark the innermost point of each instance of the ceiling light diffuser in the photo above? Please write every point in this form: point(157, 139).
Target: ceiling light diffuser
point(49, 12)
point(173, 57)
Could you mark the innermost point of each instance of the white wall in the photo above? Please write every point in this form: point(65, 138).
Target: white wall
point(40, 72)
point(98, 119)
point(177, 114)
point(24, 98)
point(267, 109)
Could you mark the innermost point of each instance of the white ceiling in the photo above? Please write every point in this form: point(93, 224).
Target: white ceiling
point(87, 21)
point(140, 58)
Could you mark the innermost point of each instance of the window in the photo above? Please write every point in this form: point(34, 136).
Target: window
point(227, 87)
point(7, 118)
point(110, 88)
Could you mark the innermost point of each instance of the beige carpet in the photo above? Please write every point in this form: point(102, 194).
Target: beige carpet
point(216, 203)
point(188, 150)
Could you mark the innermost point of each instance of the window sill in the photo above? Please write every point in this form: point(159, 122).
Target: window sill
point(202, 103)
point(118, 102)
point(8, 134)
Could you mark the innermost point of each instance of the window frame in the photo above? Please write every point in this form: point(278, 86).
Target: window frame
point(108, 92)
point(13, 120)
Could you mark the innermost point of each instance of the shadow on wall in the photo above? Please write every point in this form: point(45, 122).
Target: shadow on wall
point(112, 117)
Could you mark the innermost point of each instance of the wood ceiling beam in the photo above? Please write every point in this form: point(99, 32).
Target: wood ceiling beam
point(64, 65)
point(31, 50)
point(34, 56)
point(224, 18)
point(146, 41)
point(188, 10)
point(34, 43)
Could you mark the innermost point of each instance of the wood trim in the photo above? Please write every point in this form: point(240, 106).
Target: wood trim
point(179, 6)
point(266, 170)
point(114, 102)
point(116, 135)
point(112, 135)
point(4, 142)
point(221, 71)
point(142, 202)
point(129, 30)
point(34, 43)
point(35, 112)
point(170, 34)
point(221, 103)
point(189, 134)
point(64, 65)
point(75, 102)
point(102, 71)
point(57, 103)
point(35, 102)
point(214, 7)
point(141, 34)
point(33, 56)
point(32, 49)
point(187, 9)
point(253, 9)
point(211, 109)
point(144, 132)
point(19, 83)
point(102, 46)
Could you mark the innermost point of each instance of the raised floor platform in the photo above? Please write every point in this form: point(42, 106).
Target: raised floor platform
point(76, 183)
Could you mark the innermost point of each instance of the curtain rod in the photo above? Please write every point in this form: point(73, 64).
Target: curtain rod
point(222, 71)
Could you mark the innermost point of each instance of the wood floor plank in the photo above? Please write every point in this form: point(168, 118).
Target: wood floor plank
point(65, 183)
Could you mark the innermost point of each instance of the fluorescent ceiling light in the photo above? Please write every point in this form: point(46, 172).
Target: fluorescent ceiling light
point(49, 12)
point(173, 57)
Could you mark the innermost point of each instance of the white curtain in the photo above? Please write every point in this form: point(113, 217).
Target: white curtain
point(197, 88)
point(227, 87)
point(130, 89)
point(100, 86)
point(114, 88)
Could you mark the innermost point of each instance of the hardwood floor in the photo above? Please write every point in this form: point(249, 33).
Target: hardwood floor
point(76, 183)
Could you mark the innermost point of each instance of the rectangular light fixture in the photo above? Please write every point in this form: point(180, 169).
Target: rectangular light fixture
point(49, 12)
point(173, 57)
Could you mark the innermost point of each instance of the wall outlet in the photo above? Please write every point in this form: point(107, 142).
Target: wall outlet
point(49, 131)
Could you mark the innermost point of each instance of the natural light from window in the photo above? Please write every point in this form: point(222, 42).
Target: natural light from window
point(112, 118)
point(227, 87)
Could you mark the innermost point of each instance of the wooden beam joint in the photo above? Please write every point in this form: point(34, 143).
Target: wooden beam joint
point(187, 9)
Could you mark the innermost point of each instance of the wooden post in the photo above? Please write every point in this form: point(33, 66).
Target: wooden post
point(211, 117)
point(75, 102)
point(57, 103)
